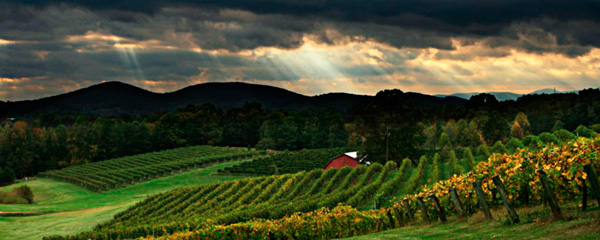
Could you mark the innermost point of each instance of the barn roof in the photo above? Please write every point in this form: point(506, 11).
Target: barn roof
point(351, 154)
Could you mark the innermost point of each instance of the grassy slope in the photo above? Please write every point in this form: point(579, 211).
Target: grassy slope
point(81, 209)
point(537, 224)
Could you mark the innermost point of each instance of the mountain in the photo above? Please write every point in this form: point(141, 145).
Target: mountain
point(503, 96)
point(116, 98)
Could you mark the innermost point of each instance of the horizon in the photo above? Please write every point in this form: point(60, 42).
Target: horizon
point(312, 48)
point(166, 92)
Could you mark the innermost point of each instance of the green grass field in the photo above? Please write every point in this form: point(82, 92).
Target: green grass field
point(76, 209)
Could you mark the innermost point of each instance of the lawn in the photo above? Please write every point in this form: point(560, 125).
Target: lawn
point(74, 209)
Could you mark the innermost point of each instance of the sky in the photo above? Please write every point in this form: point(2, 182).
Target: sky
point(307, 46)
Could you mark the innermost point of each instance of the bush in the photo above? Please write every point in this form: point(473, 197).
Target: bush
point(583, 131)
point(513, 144)
point(483, 150)
point(8, 198)
point(532, 142)
point(564, 135)
point(595, 127)
point(499, 148)
point(415, 179)
point(24, 192)
point(547, 137)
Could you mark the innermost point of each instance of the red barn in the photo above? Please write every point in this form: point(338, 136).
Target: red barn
point(346, 159)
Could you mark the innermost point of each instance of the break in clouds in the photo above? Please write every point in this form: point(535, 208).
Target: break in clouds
point(313, 47)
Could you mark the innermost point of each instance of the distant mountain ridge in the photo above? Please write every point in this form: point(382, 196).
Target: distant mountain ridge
point(116, 98)
point(503, 96)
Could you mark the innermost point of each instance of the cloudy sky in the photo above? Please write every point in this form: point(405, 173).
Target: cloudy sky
point(307, 46)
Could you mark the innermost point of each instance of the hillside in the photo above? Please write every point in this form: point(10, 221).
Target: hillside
point(519, 172)
point(119, 172)
point(64, 208)
point(116, 98)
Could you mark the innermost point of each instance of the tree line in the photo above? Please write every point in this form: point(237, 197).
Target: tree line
point(389, 126)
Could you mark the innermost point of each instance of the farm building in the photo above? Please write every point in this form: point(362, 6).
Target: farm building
point(349, 159)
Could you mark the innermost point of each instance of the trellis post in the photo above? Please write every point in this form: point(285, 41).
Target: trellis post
point(423, 210)
point(505, 200)
point(481, 199)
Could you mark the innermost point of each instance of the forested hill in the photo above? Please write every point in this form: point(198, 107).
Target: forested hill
point(116, 98)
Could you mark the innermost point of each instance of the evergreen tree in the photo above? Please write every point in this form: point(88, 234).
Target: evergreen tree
point(468, 156)
point(499, 148)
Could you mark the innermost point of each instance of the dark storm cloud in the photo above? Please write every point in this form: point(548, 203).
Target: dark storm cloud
point(281, 23)
point(461, 13)
point(76, 42)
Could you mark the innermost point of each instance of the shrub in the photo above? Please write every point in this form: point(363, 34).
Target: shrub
point(547, 137)
point(564, 135)
point(499, 148)
point(513, 144)
point(7, 198)
point(24, 192)
point(455, 168)
point(417, 176)
point(532, 142)
point(583, 131)
point(483, 150)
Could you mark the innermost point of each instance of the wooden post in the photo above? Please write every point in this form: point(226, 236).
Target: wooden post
point(423, 210)
point(457, 204)
point(409, 212)
point(481, 199)
point(525, 195)
point(505, 200)
point(398, 217)
point(436, 201)
point(584, 199)
point(549, 194)
point(391, 218)
point(591, 176)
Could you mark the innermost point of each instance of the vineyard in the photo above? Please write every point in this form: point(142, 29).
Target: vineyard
point(120, 172)
point(287, 162)
point(271, 197)
point(272, 206)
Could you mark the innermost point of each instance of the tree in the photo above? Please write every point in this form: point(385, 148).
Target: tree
point(468, 156)
point(7, 176)
point(24, 192)
point(583, 131)
point(558, 125)
point(483, 151)
point(513, 144)
point(523, 122)
point(547, 137)
point(455, 167)
point(499, 148)
point(532, 142)
point(564, 135)
point(278, 132)
point(516, 131)
point(389, 117)
point(444, 142)
point(436, 172)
